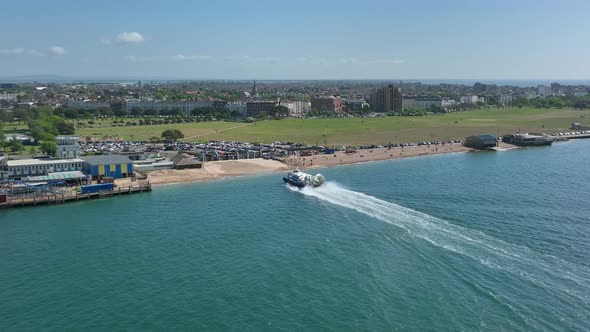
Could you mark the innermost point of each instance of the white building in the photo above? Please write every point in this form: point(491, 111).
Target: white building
point(86, 105)
point(236, 106)
point(67, 147)
point(185, 106)
point(8, 96)
point(580, 93)
point(469, 99)
point(297, 108)
point(30, 167)
point(423, 102)
point(505, 99)
point(544, 91)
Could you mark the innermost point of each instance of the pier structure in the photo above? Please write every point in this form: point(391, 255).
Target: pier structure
point(47, 198)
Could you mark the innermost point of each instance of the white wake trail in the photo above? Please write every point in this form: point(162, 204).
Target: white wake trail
point(543, 270)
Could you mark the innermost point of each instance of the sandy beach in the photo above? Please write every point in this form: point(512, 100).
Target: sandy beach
point(232, 168)
point(216, 170)
point(343, 158)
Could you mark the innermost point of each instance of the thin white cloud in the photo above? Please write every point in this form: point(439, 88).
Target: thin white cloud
point(182, 57)
point(349, 61)
point(129, 38)
point(57, 50)
point(12, 51)
point(385, 61)
point(124, 38)
point(247, 58)
point(177, 57)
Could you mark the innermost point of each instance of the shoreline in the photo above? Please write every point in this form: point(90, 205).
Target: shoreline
point(227, 169)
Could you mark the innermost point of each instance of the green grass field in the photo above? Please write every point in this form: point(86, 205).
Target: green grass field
point(356, 131)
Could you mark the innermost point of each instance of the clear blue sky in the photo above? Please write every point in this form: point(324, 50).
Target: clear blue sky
point(275, 39)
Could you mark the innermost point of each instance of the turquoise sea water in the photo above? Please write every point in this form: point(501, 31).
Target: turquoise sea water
point(472, 241)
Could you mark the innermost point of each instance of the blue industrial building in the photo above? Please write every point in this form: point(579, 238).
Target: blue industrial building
point(115, 166)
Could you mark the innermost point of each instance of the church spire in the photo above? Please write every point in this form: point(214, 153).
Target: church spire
point(254, 91)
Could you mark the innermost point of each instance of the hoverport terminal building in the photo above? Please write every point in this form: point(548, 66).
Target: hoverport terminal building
point(69, 160)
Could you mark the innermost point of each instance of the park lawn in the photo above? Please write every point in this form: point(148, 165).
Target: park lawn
point(357, 131)
point(144, 133)
point(14, 126)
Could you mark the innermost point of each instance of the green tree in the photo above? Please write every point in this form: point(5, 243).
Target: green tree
point(22, 114)
point(49, 148)
point(280, 110)
point(6, 116)
point(137, 111)
point(62, 126)
point(70, 113)
point(150, 112)
point(521, 102)
point(172, 135)
point(3, 141)
point(104, 110)
point(120, 112)
point(15, 145)
point(43, 130)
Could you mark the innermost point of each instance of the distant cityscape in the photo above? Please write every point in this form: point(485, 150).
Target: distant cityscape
point(294, 99)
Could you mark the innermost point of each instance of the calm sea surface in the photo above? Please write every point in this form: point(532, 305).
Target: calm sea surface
point(472, 241)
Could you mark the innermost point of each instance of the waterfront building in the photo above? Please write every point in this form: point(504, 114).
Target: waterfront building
point(387, 99)
point(481, 141)
point(260, 108)
point(67, 147)
point(112, 165)
point(17, 169)
point(3, 168)
point(327, 104)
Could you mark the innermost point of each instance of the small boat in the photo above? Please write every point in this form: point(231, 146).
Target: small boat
point(300, 179)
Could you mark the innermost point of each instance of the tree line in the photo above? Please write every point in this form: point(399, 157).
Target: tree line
point(43, 126)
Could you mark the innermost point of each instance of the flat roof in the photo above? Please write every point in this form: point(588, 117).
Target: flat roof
point(34, 162)
point(107, 159)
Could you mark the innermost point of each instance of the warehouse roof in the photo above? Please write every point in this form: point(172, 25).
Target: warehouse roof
point(34, 162)
point(107, 159)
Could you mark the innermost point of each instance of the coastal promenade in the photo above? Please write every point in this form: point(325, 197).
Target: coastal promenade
point(233, 168)
point(367, 155)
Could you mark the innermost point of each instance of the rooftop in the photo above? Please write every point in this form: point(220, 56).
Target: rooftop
point(107, 159)
point(35, 162)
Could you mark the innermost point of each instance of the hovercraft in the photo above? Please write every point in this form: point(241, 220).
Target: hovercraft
point(300, 179)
